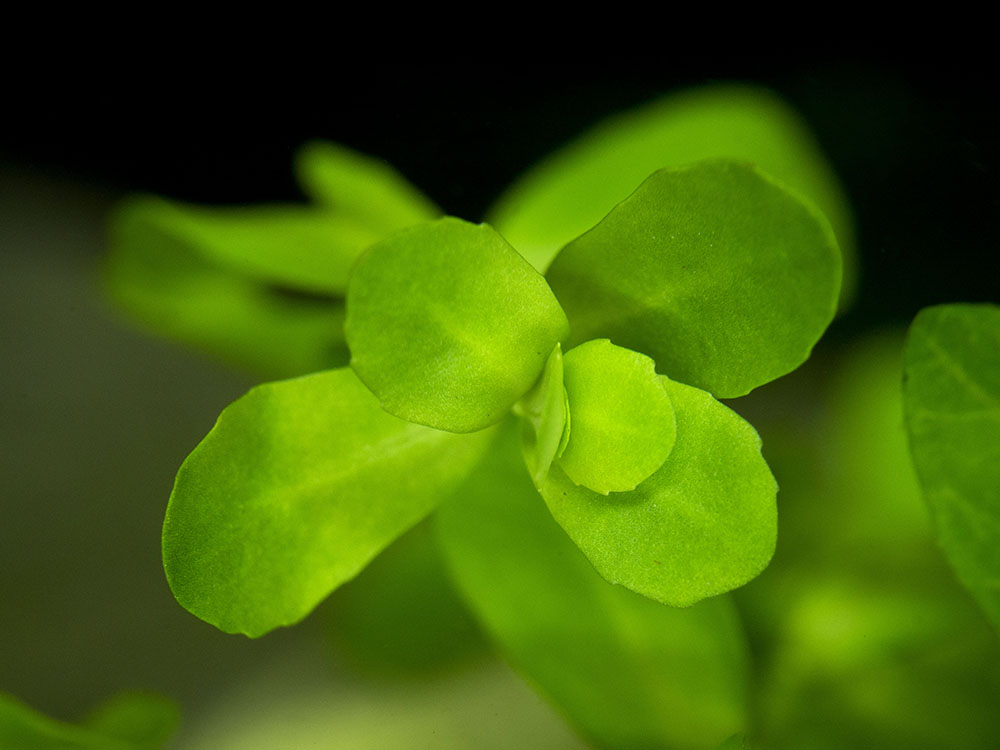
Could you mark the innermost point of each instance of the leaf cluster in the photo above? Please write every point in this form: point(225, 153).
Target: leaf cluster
point(600, 362)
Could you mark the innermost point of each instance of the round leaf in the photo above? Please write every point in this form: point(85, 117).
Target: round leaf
point(715, 271)
point(703, 524)
point(626, 671)
point(448, 325)
point(571, 190)
point(623, 425)
point(299, 484)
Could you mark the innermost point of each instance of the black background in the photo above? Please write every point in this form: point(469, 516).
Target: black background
point(915, 144)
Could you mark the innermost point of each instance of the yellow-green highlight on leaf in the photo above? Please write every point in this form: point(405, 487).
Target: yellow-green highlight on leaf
point(130, 721)
point(360, 186)
point(545, 411)
point(448, 325)
point(574, 188)
point(262, 287)
point(717, 272)
point(623, 425)
point(627, 672)
point(703, 524)
point(296, 488)
point(951, 399)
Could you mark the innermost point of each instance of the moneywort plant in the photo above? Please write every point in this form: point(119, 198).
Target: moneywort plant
point(550, 391)
point(303, 481)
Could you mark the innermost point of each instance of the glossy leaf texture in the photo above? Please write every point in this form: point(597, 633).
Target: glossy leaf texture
point(363, 187)
point(130, 721)
point(715, 271)
point(296, 488)
point(951, 398)
point(448, 325)
point(576, 186)
point(703, 524)
point(545, 411)
point(262, 288)
point(627, 672)
point(623, 425)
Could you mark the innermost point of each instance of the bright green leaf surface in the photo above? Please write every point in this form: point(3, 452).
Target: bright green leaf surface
point(572, 190)
point(128, 722)
point(299, 484)
point(715, 271)
point(362, 187)
point(703, 524)
point(951, 397)
point(448, 325)
point(546, 417)
point(626, 671)
point(257, 286)
point(623, 423)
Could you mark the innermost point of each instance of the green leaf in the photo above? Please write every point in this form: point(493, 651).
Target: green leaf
point(296, 488)
point(448, 325)
point(546, 417)
point(626, 671)
point(951, 399)
point(715, 271)
point(261, 287)
point(574, 188)
point(362, 187)
point(145, 719)
point(703, 524)
point(622, 420)
point(130, 721)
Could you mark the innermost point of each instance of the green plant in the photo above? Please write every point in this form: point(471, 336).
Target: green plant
point(708, 279)
point(951, 392)
point(302, 482)
point(855, 635)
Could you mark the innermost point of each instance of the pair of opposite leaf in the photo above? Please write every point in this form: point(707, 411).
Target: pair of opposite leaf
point(707, 282)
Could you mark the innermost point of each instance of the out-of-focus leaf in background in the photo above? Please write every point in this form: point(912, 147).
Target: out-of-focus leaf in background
point(130, 721)
point(951, 392)
point(262, 287)
point(861, 635)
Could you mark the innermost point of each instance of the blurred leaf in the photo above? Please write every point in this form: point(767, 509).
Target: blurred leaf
point(623, 425)
point(573, 189)
point(144, 719)
point(126, 722)
point(296, 488)
point(546, 417)
point(628, 672)
point(448, 325)
point(736, 742)
point(951, 396)
point(715, 271)
point(863, 637)
point(261, 287)
point(402, 615)
point(361, 187)
point(703, 524)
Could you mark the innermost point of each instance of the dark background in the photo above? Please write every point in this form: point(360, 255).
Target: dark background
point(915, 144)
